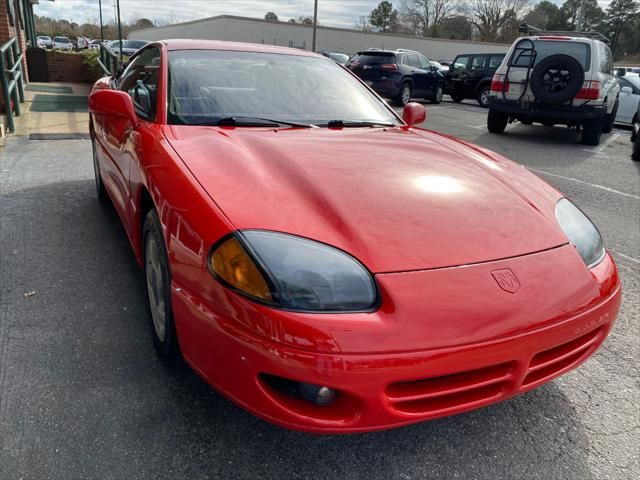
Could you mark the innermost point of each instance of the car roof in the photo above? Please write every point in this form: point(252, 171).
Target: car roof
point(183, 44)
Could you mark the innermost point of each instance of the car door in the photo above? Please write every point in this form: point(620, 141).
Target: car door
point(433, 77)
point(627, 101)
point(419, 76)
point(456, 76)
point(117, 136)
point(475, 73)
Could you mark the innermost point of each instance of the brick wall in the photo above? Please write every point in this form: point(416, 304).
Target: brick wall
point(68, 67)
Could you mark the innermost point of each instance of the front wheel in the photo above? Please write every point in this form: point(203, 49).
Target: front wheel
point(484, 97)
point(497, 121)
point(437, 97)
point(635, 156)
point(404, 96)
point(158, 288)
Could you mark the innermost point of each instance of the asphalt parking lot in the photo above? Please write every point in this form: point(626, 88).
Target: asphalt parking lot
point(82, 394)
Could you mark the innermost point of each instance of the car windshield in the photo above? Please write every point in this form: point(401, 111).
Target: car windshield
point(61, 40)
point(207, 86)
point(544, 48)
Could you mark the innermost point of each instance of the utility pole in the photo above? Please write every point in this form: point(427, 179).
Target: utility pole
point(101, 25)
point(119, 28)
point(315, 24)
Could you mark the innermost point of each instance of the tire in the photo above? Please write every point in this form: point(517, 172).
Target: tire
point(404, 96)
point(483, 96)
point(635, 156)
point(497, 121)
point(101, 191)
point(556, 79)
point(592, 131)
point(437, 98)
point(456, 98)
point(609, 118)
point(158, 288)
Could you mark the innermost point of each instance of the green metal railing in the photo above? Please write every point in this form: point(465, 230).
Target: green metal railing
point(11, 78)
point(109, 61)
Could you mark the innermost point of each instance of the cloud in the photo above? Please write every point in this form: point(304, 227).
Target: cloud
point(339, 13)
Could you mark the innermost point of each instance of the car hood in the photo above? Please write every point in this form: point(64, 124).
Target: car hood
point(397, 199)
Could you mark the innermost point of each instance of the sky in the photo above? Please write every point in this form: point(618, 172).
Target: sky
point(335, 13)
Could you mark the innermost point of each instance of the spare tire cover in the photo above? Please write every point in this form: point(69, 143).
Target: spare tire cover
point(556, 79)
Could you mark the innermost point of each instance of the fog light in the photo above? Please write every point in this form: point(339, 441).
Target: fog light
point(317, 394)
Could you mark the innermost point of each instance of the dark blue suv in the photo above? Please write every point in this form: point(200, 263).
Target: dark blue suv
point(399, 75)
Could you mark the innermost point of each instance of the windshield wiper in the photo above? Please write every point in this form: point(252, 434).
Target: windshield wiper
point(356, 123)
point(258, 122)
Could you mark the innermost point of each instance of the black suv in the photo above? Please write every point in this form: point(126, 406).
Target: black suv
point(399, 75)
point(470, 76)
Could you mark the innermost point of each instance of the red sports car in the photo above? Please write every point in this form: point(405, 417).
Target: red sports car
point(326, 264)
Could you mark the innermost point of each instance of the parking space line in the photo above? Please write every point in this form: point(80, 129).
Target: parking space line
point(594, 185)
point(604, 145)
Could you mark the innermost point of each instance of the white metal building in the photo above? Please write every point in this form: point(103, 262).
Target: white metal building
point(242, 29)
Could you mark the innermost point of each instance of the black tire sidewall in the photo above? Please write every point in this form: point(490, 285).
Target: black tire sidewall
point(101, 192)
point(592, 131)
point(479, 98)
point(399, 101)
point(576, 79)
point(167, 348)
point(497, 121)
point(435, 99)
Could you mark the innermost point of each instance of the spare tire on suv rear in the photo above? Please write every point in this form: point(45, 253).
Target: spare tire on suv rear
point(556, 79)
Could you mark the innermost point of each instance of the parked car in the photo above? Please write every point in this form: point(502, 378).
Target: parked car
point(399, 75)
point(442, 68)
point(44, 41)
point(62, 43)
point(635, 137)
point(129, 47)
point(308, 255)
point(623, 70)
point(95, 44)
point(470, 76)
point(629, 98)
point(341, 58)
point(556, 78)
point(83, 42)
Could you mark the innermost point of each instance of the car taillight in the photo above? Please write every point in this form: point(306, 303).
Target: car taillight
point(590, 90)
point(500, 83)
point(389, 66)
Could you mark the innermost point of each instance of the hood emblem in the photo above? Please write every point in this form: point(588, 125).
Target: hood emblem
point(506, 280)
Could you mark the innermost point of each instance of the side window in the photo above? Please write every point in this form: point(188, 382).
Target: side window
point(424, 63)
point(412, 61)
point(477, 63)
point(495, 61)
point(140, 81)
point(606, 65)
point(460, 63)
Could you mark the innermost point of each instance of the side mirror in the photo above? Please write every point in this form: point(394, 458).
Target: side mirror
point(413, 114)
point(626, 90)
point(434, 68)
point(113, 103)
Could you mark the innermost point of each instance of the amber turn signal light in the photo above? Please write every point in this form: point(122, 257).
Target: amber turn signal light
point(231, 263)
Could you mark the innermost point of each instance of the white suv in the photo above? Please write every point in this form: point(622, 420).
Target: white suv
point(556, 78)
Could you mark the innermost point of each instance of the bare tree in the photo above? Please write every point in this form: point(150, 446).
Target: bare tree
point(426, 16)
point(491, 17)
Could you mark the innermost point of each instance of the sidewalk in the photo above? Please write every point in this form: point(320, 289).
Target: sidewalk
point(32, 122)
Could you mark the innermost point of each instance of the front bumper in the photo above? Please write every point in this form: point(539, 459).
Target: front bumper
point(385, 390)
point(538, 112)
